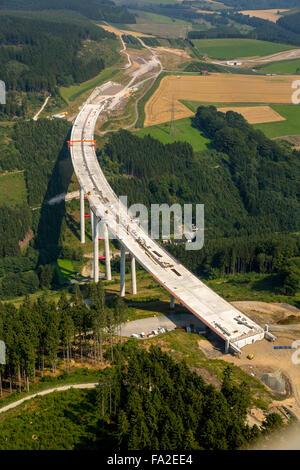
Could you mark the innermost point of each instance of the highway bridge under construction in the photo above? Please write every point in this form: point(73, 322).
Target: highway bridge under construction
point(111, 216)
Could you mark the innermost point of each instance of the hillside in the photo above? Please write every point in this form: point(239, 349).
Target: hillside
point(93, 9)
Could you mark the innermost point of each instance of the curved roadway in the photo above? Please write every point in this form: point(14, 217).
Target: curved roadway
point(221, 317)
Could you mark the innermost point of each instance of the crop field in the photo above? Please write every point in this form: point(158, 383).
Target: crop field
point(13, 189)
point(238, 48)
point(214, 88)
point(256, 114)
point(183, 132)
point(270, 15)
point(283, 66)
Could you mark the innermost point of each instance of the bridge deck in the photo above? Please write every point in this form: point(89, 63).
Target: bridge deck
point(221, 317)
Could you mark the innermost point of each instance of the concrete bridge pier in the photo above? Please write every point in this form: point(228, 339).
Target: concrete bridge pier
point(172, 302)
point(92, 222)
point(133, 275)
point(122, 271)
point(106, 253)
point(82, 221)
point(95, 227)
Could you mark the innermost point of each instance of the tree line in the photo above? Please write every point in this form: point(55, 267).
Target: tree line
point(247, 182)
point(285, 30)
point(147, 401)
point(93, 9)
point(40, 55)
point(40, 333)
point(260, 168)
point(277, 255)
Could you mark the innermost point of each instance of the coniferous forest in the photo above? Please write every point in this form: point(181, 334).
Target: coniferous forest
point(247, 183)
point(40, 55)
point(144, 401)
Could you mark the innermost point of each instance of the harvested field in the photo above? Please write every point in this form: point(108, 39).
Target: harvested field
point(256, 114)
point(119, 32)
point(271, 15)
point(214, 88)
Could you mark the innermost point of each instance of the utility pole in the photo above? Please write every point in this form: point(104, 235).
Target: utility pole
point(172, 126)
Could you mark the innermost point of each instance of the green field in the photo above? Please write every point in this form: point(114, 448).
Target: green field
point(59, 421)
point(161, 19)
point(158, 25)
point(283, 66)
point(251, 286)
point(73, 92)
point(291, 126)
point(13, 189)
point(165, 2)
point(235, 48)
point(66, 270)
point(291, 112)
point(184, 132)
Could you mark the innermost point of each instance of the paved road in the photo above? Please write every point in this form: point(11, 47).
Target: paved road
point(170, 322)
point(286, 55)
point(46, 392)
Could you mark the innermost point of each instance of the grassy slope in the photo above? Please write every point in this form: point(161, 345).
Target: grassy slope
point(234, 48)
point(283, 66)
point(54, 422)
point(66, 270)
point(64, 419)
point(73, 92)
point(182, 345)
point(252, 286)
point(289, 127)
point(12, 189)
point(161, 19)
point(183, 132)
point(291, 113)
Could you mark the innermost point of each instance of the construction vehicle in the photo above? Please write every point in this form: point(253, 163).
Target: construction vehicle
point(250, 357)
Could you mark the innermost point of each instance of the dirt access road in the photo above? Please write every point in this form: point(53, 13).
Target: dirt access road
point(46, 392)
point(268, 358)
point(279, 56)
